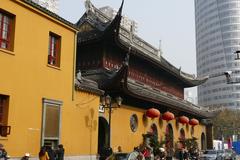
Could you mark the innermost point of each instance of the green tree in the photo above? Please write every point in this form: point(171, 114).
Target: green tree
point(226, 123)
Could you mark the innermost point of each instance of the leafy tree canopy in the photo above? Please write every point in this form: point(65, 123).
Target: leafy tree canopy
point(226, 123)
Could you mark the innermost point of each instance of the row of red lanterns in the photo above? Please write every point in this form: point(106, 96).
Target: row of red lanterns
point(154, 113)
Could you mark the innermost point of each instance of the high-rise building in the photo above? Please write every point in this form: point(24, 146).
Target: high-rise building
point(217, 38)
point(51, 5)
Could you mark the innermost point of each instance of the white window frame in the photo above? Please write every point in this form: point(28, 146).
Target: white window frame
point(56, 103)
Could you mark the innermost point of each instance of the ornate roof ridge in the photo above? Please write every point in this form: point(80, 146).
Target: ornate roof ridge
point(131, 40)
point(94, 11)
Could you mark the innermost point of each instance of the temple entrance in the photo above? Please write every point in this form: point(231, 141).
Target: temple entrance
point(102, 134)
point(169, 138)
point(203, 141)
point(154, 130)
point(182, 138)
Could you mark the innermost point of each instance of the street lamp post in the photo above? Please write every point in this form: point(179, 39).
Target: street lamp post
point(107, 103)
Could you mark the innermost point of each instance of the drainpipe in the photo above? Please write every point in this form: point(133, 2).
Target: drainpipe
point(74, 64)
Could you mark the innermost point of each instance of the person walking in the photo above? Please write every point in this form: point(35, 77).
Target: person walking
point(43, 155)
point(180, 154)
point(60, 152)
point(185, 154)
point(50, 152)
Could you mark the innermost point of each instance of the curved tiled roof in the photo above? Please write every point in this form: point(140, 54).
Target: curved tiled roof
point(128, 40)
point(118, 80)
point(88, 85)
point(160, 97)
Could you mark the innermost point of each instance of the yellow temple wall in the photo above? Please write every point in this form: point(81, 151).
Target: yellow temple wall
point(123, 136)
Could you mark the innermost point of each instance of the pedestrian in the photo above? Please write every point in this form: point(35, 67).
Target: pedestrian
point(50, 152)
point(110, 155)
point(3, 152)
point(26, 156)
point(159, 154)
point(147, 153)
point(185, 154)
point(180, 154)
point(119, 149)
point(60, 152)
point(43, 155)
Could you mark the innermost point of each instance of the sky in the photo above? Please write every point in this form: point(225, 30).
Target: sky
point(171, 21)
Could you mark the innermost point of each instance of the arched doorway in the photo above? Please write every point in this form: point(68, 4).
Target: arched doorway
point(182, 134)
point(182, 138)
point(203, 141)
point(169, 138)
point(102, 134)
point(154, 130)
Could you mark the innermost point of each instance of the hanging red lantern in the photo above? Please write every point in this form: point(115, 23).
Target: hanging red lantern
point(183, 119)
point(168, 116)
point(152, 113)
point(193, 122)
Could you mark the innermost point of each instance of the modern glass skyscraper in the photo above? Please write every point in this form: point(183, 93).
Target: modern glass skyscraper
point(217, 38)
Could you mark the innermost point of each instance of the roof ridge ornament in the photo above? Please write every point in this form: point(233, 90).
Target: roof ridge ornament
point(79, 75)
point(159, 51)
point(131, 33)
point(89, 6)
point(126, 59)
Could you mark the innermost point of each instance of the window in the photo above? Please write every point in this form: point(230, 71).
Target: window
point(54, 50)
point(134, 122)
point(51, 122)
point(3, 109)
point(4, 129)
point(6, 30)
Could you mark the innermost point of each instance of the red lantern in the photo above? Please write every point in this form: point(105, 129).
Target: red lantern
point(183, 119)
point(168, 116)
point(152, 113)
point(193, 122)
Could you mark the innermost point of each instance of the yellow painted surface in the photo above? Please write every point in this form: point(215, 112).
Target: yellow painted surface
point(124, 137)
point(80, 125)
point(27, 79)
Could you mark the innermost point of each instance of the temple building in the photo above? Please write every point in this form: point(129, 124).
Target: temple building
point(88, 86)
point(125, 65)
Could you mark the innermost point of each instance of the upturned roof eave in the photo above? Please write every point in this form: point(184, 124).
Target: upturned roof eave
point(160, 97)
point(120, 81)
point(187, 79)
point(120, 38)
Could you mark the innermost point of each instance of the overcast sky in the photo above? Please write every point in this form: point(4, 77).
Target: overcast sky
point(171, 21)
